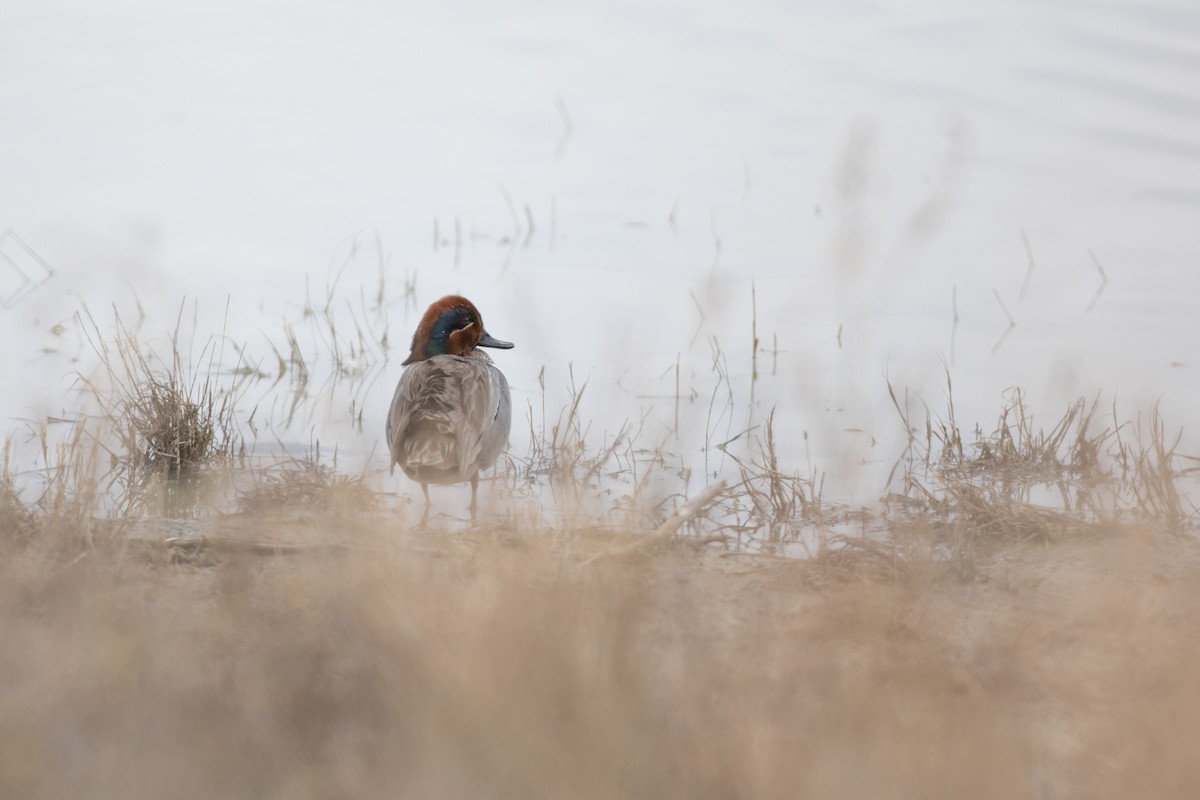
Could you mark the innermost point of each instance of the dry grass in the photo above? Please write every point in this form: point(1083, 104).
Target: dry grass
point(305, 486)
point(17, 522)
point(166, 415)
point(772, 506)
point(968, 641)
point(483, 665)
point(1023, 483)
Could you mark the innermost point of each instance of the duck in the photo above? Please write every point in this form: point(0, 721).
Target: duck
point(452, 411)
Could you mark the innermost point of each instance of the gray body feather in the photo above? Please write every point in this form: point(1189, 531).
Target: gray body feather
point(450, 418)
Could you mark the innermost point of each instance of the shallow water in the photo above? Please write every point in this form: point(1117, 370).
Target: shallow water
point(612, 185)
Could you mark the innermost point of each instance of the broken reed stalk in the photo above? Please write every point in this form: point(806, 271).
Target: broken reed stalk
point(682, 514)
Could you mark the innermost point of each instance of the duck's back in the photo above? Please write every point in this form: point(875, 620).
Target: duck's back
point(450, 417)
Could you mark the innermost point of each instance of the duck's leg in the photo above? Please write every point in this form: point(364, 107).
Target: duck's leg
point(474, 489)
point(425, 513)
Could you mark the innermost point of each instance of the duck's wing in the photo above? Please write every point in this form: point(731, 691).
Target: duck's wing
point(478, 409)
point(398, 415)
point(422, 416)
point(494, 435)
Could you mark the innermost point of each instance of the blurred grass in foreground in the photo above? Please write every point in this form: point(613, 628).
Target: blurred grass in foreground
point(496, 663)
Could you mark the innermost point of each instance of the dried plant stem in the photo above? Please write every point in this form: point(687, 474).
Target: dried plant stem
point(684, 513)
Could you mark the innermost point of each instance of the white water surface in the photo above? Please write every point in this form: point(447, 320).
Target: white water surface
point(866, 169)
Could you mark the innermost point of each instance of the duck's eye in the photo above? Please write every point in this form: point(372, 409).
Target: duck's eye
point(453, 321)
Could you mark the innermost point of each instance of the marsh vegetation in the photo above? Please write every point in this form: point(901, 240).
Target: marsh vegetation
point(189, 611)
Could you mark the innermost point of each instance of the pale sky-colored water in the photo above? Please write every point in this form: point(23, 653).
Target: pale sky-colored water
point(861, 164)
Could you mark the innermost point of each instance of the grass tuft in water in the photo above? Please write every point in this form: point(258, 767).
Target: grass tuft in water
point(167, 415)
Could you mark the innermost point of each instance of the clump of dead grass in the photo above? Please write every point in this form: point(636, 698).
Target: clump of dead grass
point(772, 505)
point(303, 485)
point(17, 522)
point(167, 416)
point(557, 448)
point(621, 483)
point(1022, 483)
point(67, 488)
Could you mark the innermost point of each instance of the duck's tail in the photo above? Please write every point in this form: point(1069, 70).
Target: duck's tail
point(431, 445)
